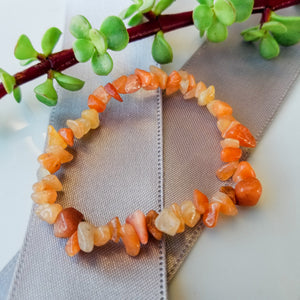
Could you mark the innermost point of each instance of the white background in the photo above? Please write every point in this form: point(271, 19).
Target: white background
point(254, 256)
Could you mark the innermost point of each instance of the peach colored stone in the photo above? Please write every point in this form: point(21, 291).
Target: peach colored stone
point(243, 171)
point(46, 196)
point(189, 213)
point(200, 201)
point(227, 206)
point(226, 171)
point(85, 232)
point(167, 222)
point(48, 212)
point(130, 239)
point(63, 155)
point(102, 235)
point(177, 211)
point(150, 221)
point(92, 116)
point(138, 220)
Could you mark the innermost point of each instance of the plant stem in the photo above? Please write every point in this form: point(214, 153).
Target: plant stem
point(64, 59)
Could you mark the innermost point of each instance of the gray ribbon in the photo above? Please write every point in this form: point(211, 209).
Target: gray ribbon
point(96, 184)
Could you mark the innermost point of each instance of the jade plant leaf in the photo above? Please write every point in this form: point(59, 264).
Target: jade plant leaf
point(115, 31)
point(80, 27)
point(202, 16)
point(24, 48)
point(209, 3)
point(102, 64)
point(269, 47)
point(292, 24)
point(83, 50)
point(161, 49)
point(46, 93)
point(252, 34)
point(68, 82)
point(17, 94)
point(243, 9)
point(50, 39)
point(217, 32)
point(161, 6)
point(274, 27)
point(136, 19)
point(128, 12)
point(147, 6)
point(25, 62)
point(7, 80)
point(225, 12)
point(99, 40)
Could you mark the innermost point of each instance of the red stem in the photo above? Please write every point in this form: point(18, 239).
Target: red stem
point(65, 59)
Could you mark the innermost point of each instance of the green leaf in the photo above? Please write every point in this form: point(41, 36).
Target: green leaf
point(136, 19)
point(83, 50)
point(225, 12)
point(80, 27)
point(161, 49)
point(147, 6)
point(209, 3)
point(99, 40)
point(252, 34)
point(161, 6)
point(268, 47)
point(274, 27)
point(126, 13)
point(46, 93)
point(202, 16)
point(217, 32)
point(115, 31)
point(292, 24)
point(7, 80)
point(68, 82)
point(25, 62)
point(17, 94)
point(102, 64)
point(50, 39)
point(24, 48)
point(243, 9)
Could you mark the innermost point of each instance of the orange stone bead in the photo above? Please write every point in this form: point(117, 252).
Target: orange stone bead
point(144, 76)
point(207, 96)
point(162, 76)
point(101, 94)
point(130, 239)
point(68, 135)
point(226, 171)
point(112, 91)
point(138, 221)
point(225, 122)
point(85, 233)
point(248, 191)
point(184, 83)
point(243, 171)
point(63, 155)
point(120, 84)
point(102, 235)
point(95, 103)
point(227, 206)
point(229, 191)
point(54, 138)
point(210, 217)
point(80, 127)
point(150, 221)
point(241, 133)
point(67, 222)
point(232, 143)
point(154, 84)
point(200, 87)
point(173, 83)
point(92, 116)
point(114, 227)
point(48, 212)
point(192, 82)
point(167, 222)
point(231, 154)
point(200, 201)
point(177, 211)
point(50, 162)
point(72, 245)
point(189, 213)
point(47, 183)
point(219, 108)
point(133, 84)
point(42, 197)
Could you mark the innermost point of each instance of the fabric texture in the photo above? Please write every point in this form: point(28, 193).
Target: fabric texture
point(130, 142)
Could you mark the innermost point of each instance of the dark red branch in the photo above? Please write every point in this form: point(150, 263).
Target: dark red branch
point(65, 59)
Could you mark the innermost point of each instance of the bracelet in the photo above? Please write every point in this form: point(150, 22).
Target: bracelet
point(70, 223)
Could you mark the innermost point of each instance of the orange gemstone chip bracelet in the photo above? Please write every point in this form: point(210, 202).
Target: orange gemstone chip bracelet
point(70, 223)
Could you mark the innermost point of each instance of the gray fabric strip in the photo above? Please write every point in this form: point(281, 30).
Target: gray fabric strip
point(117, 169)
point(254, 87)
